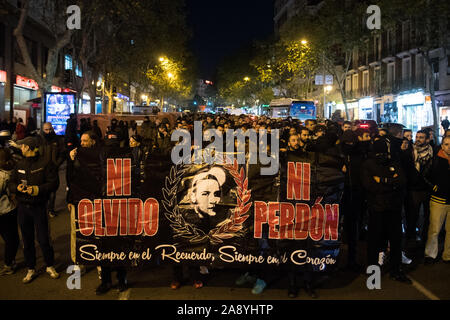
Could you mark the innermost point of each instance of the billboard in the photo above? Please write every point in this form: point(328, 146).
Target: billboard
point(58, 107)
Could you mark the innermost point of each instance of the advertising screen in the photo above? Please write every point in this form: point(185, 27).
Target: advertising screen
point(58, 107)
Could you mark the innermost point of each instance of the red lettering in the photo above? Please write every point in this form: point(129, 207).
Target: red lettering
point(287, 216)
point(294, 179)
point(306, 181)
point(151, 217)
point(127, 177)
point(274, 220)
point(134, 212)
point(86, 217)
point(123, 217)
point(332, 222)
point(111, 216)
point(301, 221)
point(260, 218)
point(317, 222)
point(99, 229)
point(114, 177)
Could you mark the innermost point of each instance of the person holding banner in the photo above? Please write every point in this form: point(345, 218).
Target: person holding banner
point(32, 180)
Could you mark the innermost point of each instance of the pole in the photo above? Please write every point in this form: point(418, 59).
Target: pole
point(324, 96)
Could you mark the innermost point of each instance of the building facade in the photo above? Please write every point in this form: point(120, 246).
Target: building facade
point(388, 80)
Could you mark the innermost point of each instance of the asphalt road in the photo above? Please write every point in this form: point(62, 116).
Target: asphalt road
point(431, 282)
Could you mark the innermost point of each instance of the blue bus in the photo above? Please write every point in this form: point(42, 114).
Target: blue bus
point(298, 109)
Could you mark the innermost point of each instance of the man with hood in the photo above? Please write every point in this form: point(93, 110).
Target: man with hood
point(384, 181)
point(352, 149)
point(52, 149)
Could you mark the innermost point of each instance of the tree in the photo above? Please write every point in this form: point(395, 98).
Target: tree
point(167, 80)
point(54, 16)
point(334, 33)
point(287, 65)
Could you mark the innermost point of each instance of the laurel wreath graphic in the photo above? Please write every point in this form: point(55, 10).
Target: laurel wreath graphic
point(227, 229)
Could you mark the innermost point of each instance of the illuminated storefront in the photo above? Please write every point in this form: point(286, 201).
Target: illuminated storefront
point(352, 107)
point(366, 111)
point(414, 111)
point(24, 89)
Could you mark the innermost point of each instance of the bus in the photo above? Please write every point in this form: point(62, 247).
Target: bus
point(298, 109)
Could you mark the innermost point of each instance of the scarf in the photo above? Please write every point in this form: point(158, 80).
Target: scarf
point(422, 155)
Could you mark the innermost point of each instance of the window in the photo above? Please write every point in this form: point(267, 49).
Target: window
point(78, 71)
point(348, 84)
point(406, 69)
point(366, 80)
point(67, 62)
point(355, 82)
point(390, 74)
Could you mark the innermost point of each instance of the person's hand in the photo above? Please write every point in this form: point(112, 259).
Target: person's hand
point(344, 169)
point(377, 179)
point(73, 154)
point(395, 175)
point(21, 188)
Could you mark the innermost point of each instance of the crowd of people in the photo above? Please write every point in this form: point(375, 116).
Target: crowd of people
point(389, 177)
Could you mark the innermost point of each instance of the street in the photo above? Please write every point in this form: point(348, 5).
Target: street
point(430, 282)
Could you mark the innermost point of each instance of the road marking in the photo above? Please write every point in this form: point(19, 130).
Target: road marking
point(430, 295)
point(125, 295)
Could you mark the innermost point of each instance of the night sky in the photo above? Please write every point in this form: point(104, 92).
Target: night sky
point(222, 27)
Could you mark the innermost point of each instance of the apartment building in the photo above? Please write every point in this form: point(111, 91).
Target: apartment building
point(388, 80)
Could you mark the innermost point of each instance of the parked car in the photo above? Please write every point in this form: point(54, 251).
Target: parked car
point(370, 125)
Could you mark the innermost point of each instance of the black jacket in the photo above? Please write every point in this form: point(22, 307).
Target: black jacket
point(440, 178)
point(53, 149)
point(36, 172)
point(86, 177)
point(387, 194)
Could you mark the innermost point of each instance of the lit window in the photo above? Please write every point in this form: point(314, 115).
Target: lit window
point(67, 62)
point(78, 71)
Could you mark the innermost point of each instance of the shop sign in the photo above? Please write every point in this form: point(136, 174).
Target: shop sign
point(2, 76)
point(27, 83)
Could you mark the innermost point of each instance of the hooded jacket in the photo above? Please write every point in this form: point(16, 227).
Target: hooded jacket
point(52, 148)
point(386, 194)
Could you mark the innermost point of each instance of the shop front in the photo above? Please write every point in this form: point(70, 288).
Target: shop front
point(389, 112)
point(122, 103)
point(24, 90)
point(414, 111)
point(366, 111)
point(353, 110)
